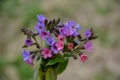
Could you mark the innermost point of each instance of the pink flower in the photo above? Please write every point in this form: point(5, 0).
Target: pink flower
point(83, 57)
point(46, 53)
point(70, 45)
point(88, 46)
point(59, 45)
point(60, 38)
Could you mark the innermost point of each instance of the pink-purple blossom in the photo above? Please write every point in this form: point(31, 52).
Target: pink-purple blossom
point(46, 53)
point(88, 46)
point(29, 61)
point(60, 38)
point(44, 34)
point(54, 49)
point(59, 45)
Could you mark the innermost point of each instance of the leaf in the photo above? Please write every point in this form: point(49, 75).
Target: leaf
point(50, 74)
point(55, 60)
point(62, 66)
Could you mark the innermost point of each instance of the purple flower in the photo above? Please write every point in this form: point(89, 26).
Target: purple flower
point(25, 54)
point(46, 53)
point(41, 18)
point(39, 27)
point(54, 49)
point(66, 31)
point(28, 42)
point(78, 27)
point(75, 33)
point(50, 41)
point(76, 30)
point(70, 24)
point(87, 33)
point(26, 57)
point(44, 34)
point(88, 46)
point(70, 28)
point(29, 61)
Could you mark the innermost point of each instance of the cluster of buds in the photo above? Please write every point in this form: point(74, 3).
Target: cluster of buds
point(64, 40)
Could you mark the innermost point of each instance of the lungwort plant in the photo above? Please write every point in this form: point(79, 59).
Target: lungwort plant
point(59, 42)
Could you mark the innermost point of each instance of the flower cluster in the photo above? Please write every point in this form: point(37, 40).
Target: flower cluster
point(60, 39)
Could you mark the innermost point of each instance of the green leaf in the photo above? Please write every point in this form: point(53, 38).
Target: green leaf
point(54, 61)
point(62, 66)
point(50, 74)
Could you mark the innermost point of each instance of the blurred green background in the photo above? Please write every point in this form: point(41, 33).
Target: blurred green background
point(102, 15)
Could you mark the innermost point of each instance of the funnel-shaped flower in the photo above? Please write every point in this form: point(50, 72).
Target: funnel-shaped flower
point(59, 45)
point(46, 53)
point(41, 18)
point(39, 27)
point(88, 46)
point(50, 41)
point(87, 33)
point(54, 49)
point(28, 42)
point(60, 38)
point(26, 57)
point(70, 45)
point(83, 57)
point(44, 34)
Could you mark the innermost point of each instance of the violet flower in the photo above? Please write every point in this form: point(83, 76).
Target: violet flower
point(26, 57)
point(50, 41)
point(70, 24)
point(76, 30)
point(87, 33)
point(66, 31)
point(54, 49)
point(28, 42)
point(41, 18)
point(70, 28)
point(39, 27)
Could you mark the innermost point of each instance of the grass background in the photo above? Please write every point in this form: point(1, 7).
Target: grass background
point(102, 15)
